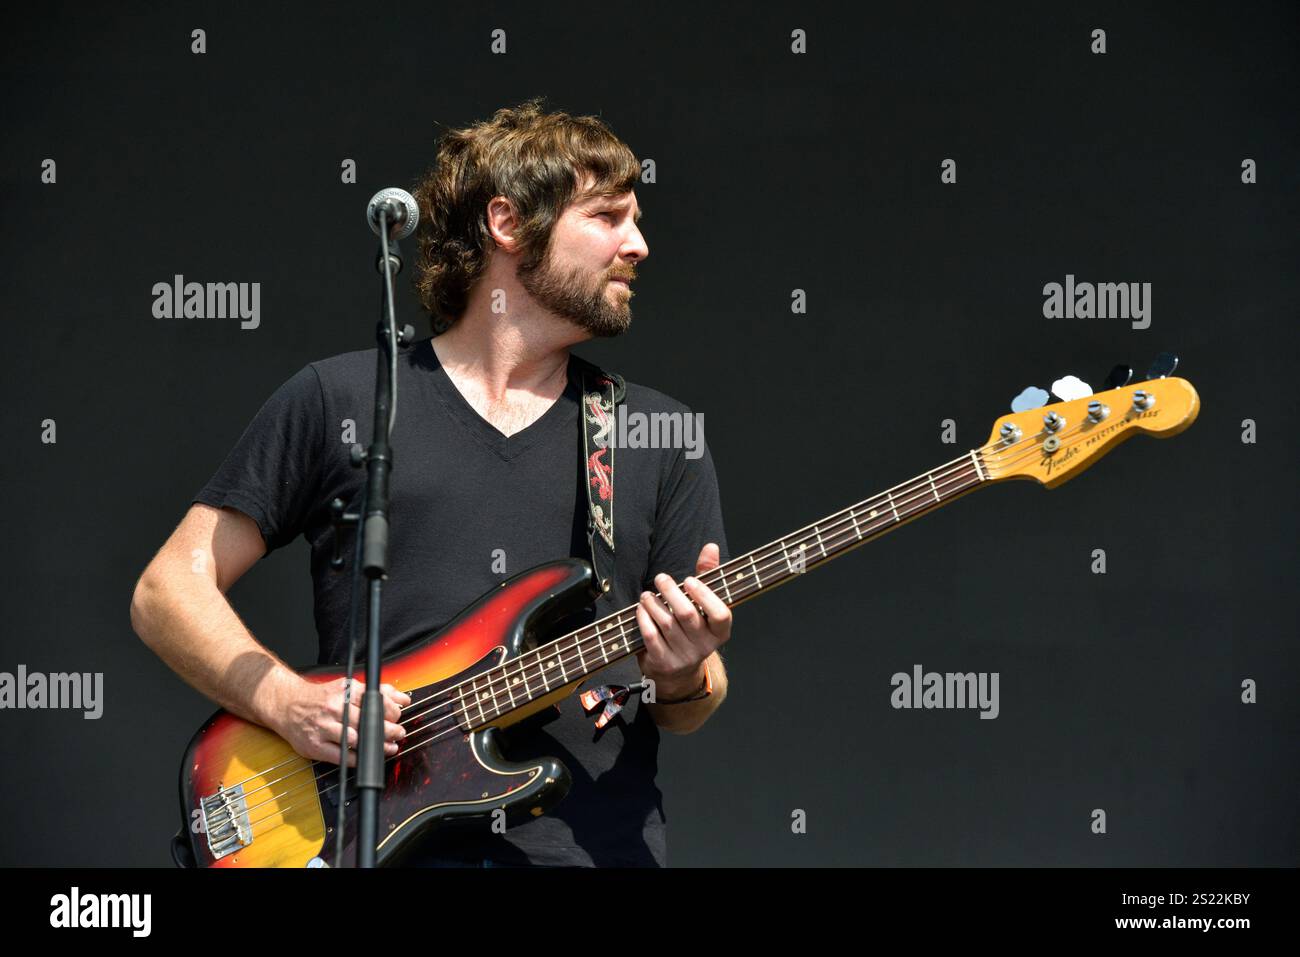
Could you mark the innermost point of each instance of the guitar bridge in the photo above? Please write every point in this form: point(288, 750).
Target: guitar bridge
point(225, 821)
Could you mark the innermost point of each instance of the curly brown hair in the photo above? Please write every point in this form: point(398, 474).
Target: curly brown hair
point(533, 159)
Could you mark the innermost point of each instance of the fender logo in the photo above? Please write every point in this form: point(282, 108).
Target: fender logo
point(1051, 461)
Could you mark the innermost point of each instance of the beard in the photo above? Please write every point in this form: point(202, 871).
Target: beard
point(585, 303)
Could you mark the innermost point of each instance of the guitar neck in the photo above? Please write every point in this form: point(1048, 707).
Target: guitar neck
point(580, 653)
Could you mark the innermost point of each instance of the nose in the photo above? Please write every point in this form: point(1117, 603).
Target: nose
point(634, 247)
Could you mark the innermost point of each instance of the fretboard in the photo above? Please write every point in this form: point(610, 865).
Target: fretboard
point(572, 657)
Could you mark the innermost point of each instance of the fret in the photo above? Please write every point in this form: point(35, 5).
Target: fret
point(582, 662)
point(820, 544)
point(521, 677)
point(461, 699)
point(517, 679)
point(758, 579)
point(853, 514)
point(933, 487)
point(893, 507)
point(509, 690)
point(622, 633)
point(479, 700)
point(740, 576)
point(564, 674)
point(541, 675)
point(726, 589)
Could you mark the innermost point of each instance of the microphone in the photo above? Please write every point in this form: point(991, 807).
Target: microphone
point(403, 212)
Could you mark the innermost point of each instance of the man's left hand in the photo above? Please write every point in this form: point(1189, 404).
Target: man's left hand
point(679, 638)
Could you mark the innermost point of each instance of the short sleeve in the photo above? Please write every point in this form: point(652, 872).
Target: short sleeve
point(272, 473)
point(688, 517)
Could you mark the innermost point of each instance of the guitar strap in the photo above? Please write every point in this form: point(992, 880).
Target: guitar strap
point(601, 393)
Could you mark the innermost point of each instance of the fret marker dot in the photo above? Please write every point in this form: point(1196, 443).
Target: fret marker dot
point(873, 513)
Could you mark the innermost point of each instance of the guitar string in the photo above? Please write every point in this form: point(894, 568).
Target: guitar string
point(831, 526)
point(969, 472)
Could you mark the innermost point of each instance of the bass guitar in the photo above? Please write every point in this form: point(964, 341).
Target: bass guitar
point(247, 799)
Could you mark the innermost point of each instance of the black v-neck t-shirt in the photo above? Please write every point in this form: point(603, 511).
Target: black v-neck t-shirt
point(470, 507)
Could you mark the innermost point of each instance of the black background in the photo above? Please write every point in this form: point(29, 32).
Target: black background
point(775, 172)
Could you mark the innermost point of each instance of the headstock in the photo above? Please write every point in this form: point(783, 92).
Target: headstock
point(1054, 443)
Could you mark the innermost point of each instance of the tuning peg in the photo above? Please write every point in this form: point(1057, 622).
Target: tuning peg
point(1119, 377)
point(1071, 387)
point(1162, 365)
point(1031, 398)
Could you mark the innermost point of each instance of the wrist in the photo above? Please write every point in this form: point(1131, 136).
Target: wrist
point(271, 700)
point(685, 686)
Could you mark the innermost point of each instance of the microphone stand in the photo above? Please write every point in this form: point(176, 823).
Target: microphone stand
point(373, 539)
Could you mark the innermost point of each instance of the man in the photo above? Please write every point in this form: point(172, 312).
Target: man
point(528, 245)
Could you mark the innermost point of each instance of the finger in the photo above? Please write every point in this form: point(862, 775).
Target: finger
point(354, 714)
point(392, 710)
point(326, 753)
point(683, 609)
point(715, 609)
point(401, 697)
point(660, 615)
point(710, 558)
point(333, 731)
point(656, 648)
point(394, 732)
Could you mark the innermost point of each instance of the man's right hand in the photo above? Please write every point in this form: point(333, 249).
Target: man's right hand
point(310, 718)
